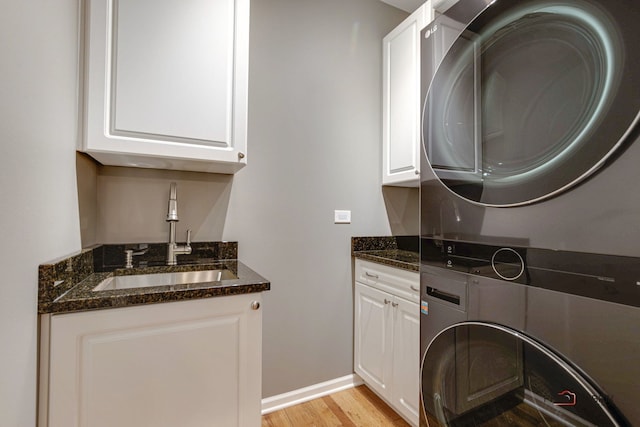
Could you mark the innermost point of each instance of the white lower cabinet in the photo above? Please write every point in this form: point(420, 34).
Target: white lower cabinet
point(387, 335)
point(373, 341)
point(190, 363)
point(405, 391)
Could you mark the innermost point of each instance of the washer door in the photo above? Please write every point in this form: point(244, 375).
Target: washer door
point(530, 97)
point(476, 373)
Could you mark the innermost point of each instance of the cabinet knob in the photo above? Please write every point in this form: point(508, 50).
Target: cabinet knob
point(386, 301)
point(255, 305)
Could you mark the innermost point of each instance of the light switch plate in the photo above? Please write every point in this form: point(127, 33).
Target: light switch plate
point(342, 217)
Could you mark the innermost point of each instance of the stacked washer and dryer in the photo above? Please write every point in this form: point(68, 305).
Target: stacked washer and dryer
point(530, 206)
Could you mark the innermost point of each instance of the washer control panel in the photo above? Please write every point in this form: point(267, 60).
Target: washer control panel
point(602, 277)
point(507, 264)
point(499, 262)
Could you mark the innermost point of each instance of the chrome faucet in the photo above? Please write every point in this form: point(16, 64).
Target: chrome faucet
point(173, 248)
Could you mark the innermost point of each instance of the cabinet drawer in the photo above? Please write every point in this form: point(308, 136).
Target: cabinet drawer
point(396, 281)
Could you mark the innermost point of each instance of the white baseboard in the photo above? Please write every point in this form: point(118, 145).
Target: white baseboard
point(311, 392)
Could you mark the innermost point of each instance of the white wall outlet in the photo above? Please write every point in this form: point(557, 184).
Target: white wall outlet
point(342, 217)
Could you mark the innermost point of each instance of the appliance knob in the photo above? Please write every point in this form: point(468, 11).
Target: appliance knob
point(507, 264)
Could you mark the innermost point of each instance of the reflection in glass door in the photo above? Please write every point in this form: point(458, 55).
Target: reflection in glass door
point(526, 100)
point(476, 373)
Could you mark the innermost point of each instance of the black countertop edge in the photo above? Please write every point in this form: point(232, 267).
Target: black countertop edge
point(394, 251)
point(66, 284)
point(393, 258)
point(118, 301)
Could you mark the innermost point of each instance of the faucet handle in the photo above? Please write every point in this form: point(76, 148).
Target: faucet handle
point(188, 237)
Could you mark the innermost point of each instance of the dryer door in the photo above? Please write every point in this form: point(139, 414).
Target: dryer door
point(524, 99)
point(476, 373)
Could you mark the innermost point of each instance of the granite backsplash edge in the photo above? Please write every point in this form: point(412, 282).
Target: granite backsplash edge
point(382, 243)
point(394, 251)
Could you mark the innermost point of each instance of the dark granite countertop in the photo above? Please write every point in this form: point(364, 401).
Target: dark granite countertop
point(394, 251)
point(67, 284)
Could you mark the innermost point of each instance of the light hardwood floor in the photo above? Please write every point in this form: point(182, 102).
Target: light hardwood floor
point(354, 407)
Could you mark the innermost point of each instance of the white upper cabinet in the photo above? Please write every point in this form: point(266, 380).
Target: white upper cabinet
point(166, 83)
point(401, 100)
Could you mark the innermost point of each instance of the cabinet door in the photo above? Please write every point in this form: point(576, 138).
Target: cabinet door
point(406, 359)
point(373, 337)
point(166, 83)
point(191, 363)
point(401, 100)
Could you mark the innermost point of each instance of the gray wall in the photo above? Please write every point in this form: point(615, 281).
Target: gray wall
point(403, 210)
point(39, 214)
point(314, 146)
point(315, 89)
point(129, 205)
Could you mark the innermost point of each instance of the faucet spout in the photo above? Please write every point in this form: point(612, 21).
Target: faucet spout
point(173, 248)
point(172, 212)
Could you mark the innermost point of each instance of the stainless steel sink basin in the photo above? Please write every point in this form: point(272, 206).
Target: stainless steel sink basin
point(164, 279)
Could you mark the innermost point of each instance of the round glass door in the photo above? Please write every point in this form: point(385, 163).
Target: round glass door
point(476, 373)
point(530, 97)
